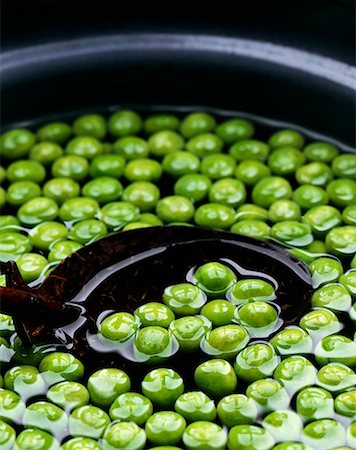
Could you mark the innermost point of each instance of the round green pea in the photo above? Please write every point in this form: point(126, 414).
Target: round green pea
point(123, 123)
point(333, 296)
point(345, 404)
point(259, 318)
point(175, 208)
point(250, 172)
point(142, 194)
point(92, 125)
point(314, 403)
point(251, 289)
point(119, 326)
point(325, 270)
point(189, 331)
point(34, 438)
point(20, 192)
point(131, 407)
point(61, 189)
point(57, 132)
point(136, 225)
point(37, 210)
point(165, 428)
point(237, 409)
point(143, 169)
point(336, 348)
point(336, 377)
point(270, 189)
point(197, 123)
point(285, 137)
point(320, 323)
point(86, 146)
point(341, 241)
point(256, 361)
point(103, 189)
point(60, 250)
point(252, 228)
point(285, 160)
point(45, 416)
point(215, 215)
point(321, 151)
point(225, 341)
point(324, 434)
point(107, 166)
point(7, 436)
point(26, 170)
point(180, 163)
point(46, 233)
point(214, 278)
point(123, 435)
point(269, 395)
point(293, 233)
point(308, 196)
point(116, 215)
point(31, 266)
point(295, 373)
point(163, 387)
point(81, 443)
point(316, 247)
point(159, 122)
point(248, 211)
point(218, 166)
point(164, 142)
point(71, 166)
point(105, 385)
point(88, 421)
point(152, 343)
point(193, 186)
point(68, 395)
point(228, 191)
point(219, 312)
point(349, 215)
point(46, 152)
point(151, 219)
point(249, 150)
point(314, 173)
point(321, 219)
point(348, 280)
point(131, 147)
point(233, 130)
point(283, 425)
point(25, 380)
point(195, 406)
point(282, 210)
point(87, 231)
point(345, 166)
point(58, 366)
point(204, 144)
point(154, 313)
point(11, 407)
point(246, 437)
point(16, 144)
point(79, 208)
point(342, 192)
point(13, 245)
point(216, 378)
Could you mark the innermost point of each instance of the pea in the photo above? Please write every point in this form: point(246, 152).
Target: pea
point(258, 318)
point(28, 355)
point(291, 445)
point(59, 366)
point(205, 144)
point(124, 435)
point(345, 404)
point(180, 163)
point(219, 312)
point(320, 323)
point(225, 341)
point(62, 249)
point(351, 435)
point(204, 435)
point(131, 147)
point(13, 245)
point(321, 151)
point(16, 144)
point(119, 326)
point(57, 132)
point(249, 150)
point(165, 428)
point(314, 173)
point(123, 123)
point(195, 406)
point(162, 387)
point(285, 137)
point(155, 314)
point(197, 123)
point(31, 266)
point(107, 166)
point(325, 433)
point(237, 409)
point(26, 170)
point(164, 142)
point(336, 377)
point(20, 192)
point(341, 241)
point(78, 208)
point(131, 407)
point(285, 160)
point(249, 211)
point(175, 208)
point(255, 362)
point(92, 125)
point(228, 191)
point(193, 186)
point(349, 215)
point(189, 331)
point(214, 215)
point(85, 146)
point(151, 219)
point(143, 169)
point(345, 166)
point(322, 219)
point(103, 189)
point(214, 278)
point(283, 425)
point(325, 270)
point(142, 194)
point(218, 166)
point(107, 384)
point(336, 348)
point(251, 289)
point(34, 438)
point(252, 228)
point(348, 280)
point(68, 395)
point(282, 210)
point(88, 231)
point(232, 130)
point(88, 421)
point(316, 247)
point(243, 437)
point(332, 296)
point(24, 380)
point(7, 436)
point(250, 172)
point(314, 403)
point(71, 166)
point(268, 394)
point(353, 263)
point(45, 416)
point(342, 192)
point(11, 406)
point(116, 215)
point(292, 233)
point(295, 373)
point(81, 443)
point(270, 189)
point(136, 225)
point(152, 343)
point(308, 196)
point(45, 153)
point(46, 233)
point(215, 378)
point(159, 122)
point(61, 189)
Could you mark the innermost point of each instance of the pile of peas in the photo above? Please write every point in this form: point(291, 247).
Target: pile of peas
point(261, 385)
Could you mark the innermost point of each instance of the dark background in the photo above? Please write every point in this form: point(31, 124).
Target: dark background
point(325, 27)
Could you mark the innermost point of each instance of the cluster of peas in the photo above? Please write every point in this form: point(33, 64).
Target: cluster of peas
point(65, 186)
point(299, 381)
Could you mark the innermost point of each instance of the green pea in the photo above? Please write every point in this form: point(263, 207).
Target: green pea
point(336, 377)
point(81, 443)
point(219, 312)
point(57, 132)
point(195, 406)
point(159, 122)
point(214, 215)
point(7, 436)
point(250, 172)
point(59, 366)
point(175, 208)
point(107, 384)
point(142, 194)
point(332, 296)
point(252, 228)
point(225, 341)
point(321, 151)
point(123, 123)
point(20, 192)
point(153, 343)
point(151, 219)
point(256, 361)
point(68, 395)
point(136, 225)
point(107, 166)
point(348, 280)
point(88, 421)
point(204, 144)
point(353, 263)
point(86, 146)
point(270, 189)
point(124, 435)
point(336, 348)
point(295, 373)
point(189, 331)
point(314, 173)
point(13, 245)
point(292, 233)
point(320, 323)
point(214, 278)
point(193, 186)
point(45, 416)
point(143, 169)
point(131, 147)
point(282, 210)
point(308, 196)
point(249, 150)
point(345, 166)
point(61, 189)
point(46, 152)
point(228, 191)
point(314, 403)
point(325, 270)
point(286, 137)
point(197, 123)
point(236, 409)
point(269, 395)
point(165, 428)
point(232, 130)
point(216, 378)
point(16, 144)
point(218, 166)
point(131, 407)
point(259, 318)
point(11, 407)
point(46, 233)
point(324, 433)
point(247, 437)
point(24, 380)
point(345, 404)
point(162, 387)
point(60, 250)
point(90, 125)
point(316, 247)
point(71, 166)
point(251, 289)
point(35, 439)
point(37, 210)
point(28, 355)
point(78, 208)
point(321, 219)
point(342, 192)
point(116, 215)
point(283, 425)
point(26, 170)
point(103, 189)
point(119, 326)
point(154, 313)
point(164, 142)
point(349, 215)
point(180, 163)
point(285, 160)
point(88, 231)
point(31, 266)
point(204, 435)
point(248, 211)
point(292, 445)
point(341, 241)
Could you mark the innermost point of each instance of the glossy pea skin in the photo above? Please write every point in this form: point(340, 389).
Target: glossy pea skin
point(35, 438)
point(268, 394)
point(123, 123)
point(131, 147)
point(165, 428)
point(252, 228)
point(92, 125)
point(189, 331)
point(180, 163)
point(249, 211)
point(249, 150)
point(11, 407)
point(284, 161)
point(68, 395)
point(20, 192)
point(349, 215)
point(214, 278)
point(62, 249)
point(87, 231)
point(308, 196)
point(342, 192)
point(136, 225)
point(7, 436)
point(333, 296)
point(26, 170)
point(151, 219)
point(37, 210)
point(324, 434)
point(46, 233)
point(259, 318)
point(219, 312)
point(13, 245)
point(336, 348)
point(325, 270)
point(142, 194)
point(195, 406)
point(197, 123)
point(163, 387)
point(314, 173)
point(348, 280)
point(228, 191)
point(57, 132)
point(320, 151)
point(85, 146)
point(233, 130)
point(8, 223)
point(165, 142)
point(255, 362)
point(336, 377)
point(247, 437)
point(70, 166)
point(45, 152)
point(341, 241)
point(320, 323)
point(107, 166)
point(59, 366)
point(175, 208)
point(204, 144)
point(345, 404)
point(81, 443)
point(124, 435)
point(283, 425)
point(31, 266)
point(321, 219)
point(250, 172)
point(103, 189)
point(116, 215)
point(292, 233)
point(16, 144)
point(159, 122)
point(295, 373)
point(251, 289)
point(236, 409)
point(314, 403)
point(131, 407)
point(218, 166)
point(216, 378)
point(205, 436)
point(119, 326)
point(46, 416)
point(193, 186)
point(152, 343)
point(270, 189)
point(344, 166)
point(225, 341)
point(105, 385)
point(154, 313)
point(25, 380)
point(281, 210)
point(88, 421)
point(214, 215)
point(143, 169)
point(61, 189)
point(285, 137)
